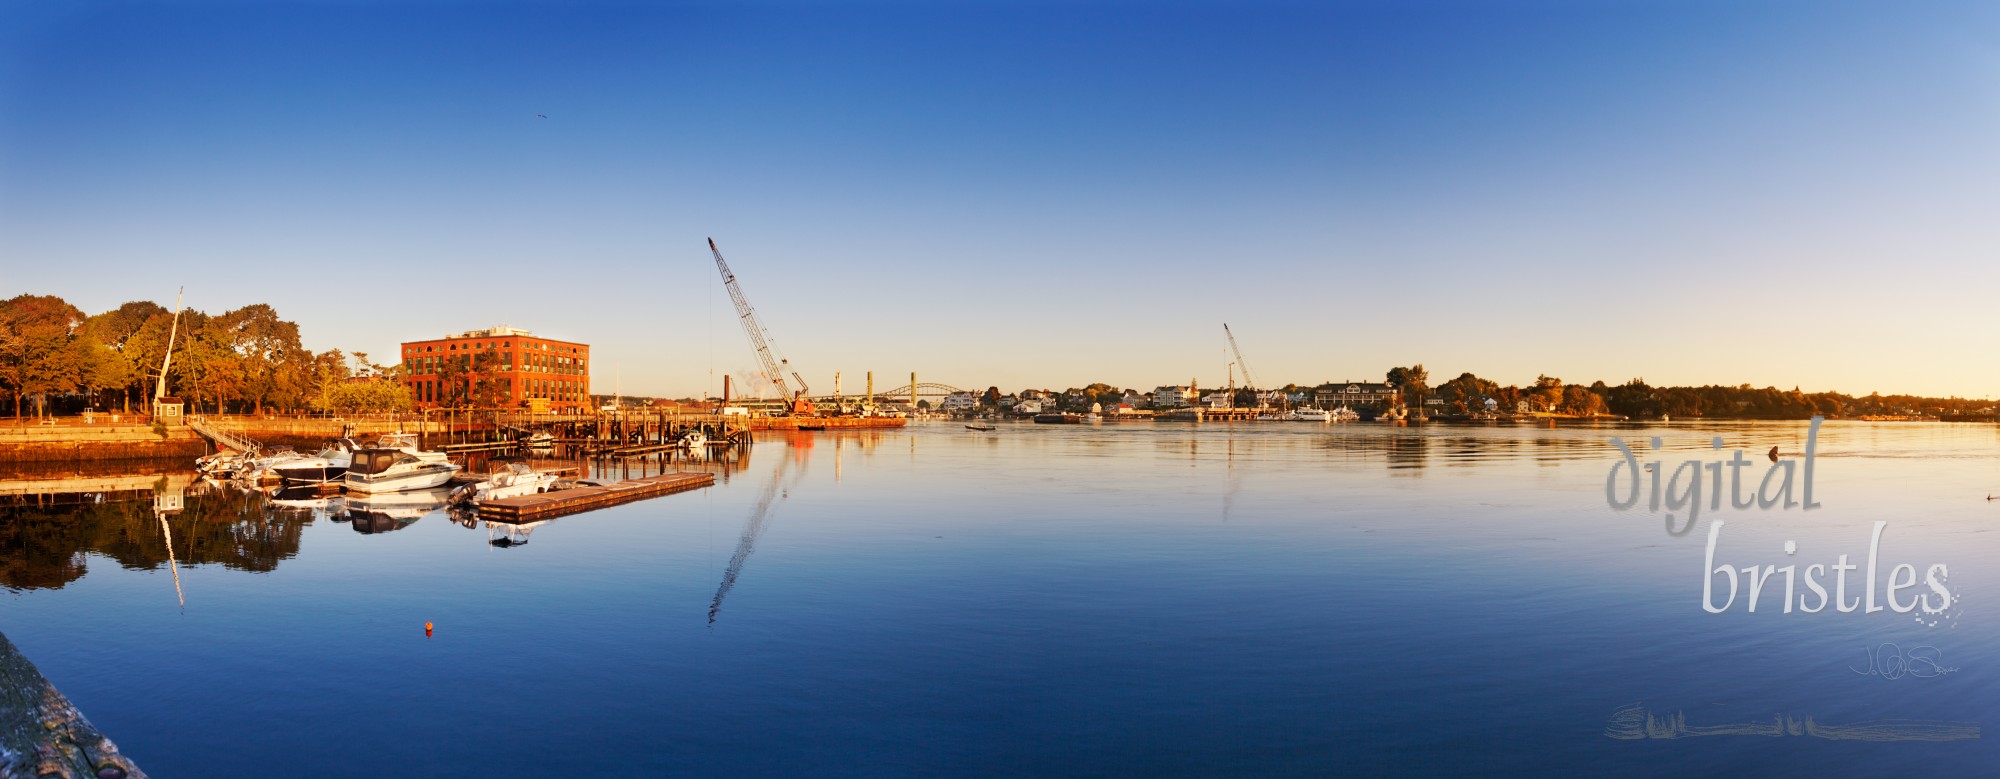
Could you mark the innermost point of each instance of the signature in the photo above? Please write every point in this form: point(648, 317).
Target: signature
point(1889, 661)
point(1635, 722)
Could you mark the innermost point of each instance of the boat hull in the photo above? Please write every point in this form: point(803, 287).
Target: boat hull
point(425, 478)
point(314, 473)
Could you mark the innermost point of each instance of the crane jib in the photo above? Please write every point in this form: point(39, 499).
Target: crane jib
point(753, 328)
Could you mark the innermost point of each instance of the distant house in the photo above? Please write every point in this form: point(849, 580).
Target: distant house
point(1028, 406)
point(1173, 397)
point(1219, 399)
point(1354, 393)
point(960, 401)
point(1124, 408)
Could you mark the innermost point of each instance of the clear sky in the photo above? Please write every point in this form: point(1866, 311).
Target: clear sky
point(1040, 194)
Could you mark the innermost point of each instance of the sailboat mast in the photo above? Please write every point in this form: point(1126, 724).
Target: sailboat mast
point(160, 390)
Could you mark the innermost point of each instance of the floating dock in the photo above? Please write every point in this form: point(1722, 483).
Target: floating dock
point(530, 508)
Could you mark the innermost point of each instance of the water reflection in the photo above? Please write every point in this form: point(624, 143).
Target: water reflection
point(390, 511)
point(760, 515)
point(44, 547)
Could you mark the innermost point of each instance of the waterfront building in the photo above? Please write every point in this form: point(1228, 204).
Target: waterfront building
point(511, 366)
point(960, 401)
point(1353, 394)
point(1173, 397)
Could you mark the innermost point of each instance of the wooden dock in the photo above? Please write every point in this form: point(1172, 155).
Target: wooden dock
point(531, 508)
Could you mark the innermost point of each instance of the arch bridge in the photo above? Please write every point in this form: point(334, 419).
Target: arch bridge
point(925, 391)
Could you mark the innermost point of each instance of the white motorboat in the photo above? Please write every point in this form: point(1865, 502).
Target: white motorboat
point(376, 469)
point(328, 465)
point(1309, 415)
point(514, 482)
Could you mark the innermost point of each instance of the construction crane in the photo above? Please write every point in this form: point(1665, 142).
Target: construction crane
point(774, 364)
point(1248, 383)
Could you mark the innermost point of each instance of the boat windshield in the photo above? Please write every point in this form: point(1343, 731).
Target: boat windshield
point(398, 441)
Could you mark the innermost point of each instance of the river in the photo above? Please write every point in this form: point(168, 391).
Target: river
point(1118, 599)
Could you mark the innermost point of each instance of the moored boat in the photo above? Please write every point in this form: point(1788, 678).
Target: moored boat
point(328, 465)
point(517, 480)
point(376, 469)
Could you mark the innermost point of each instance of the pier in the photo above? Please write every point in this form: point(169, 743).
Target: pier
point(530, 508)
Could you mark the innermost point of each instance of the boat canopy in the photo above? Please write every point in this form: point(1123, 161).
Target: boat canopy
point(373, 461)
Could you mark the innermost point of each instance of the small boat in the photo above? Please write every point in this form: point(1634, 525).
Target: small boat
point(1309, 415)
point(224, 464)
point(256, 467)
point(375, 469)
point(814, 428)
point(540, 440)
point(980, 427)
point(514, 482)
point(694, 439)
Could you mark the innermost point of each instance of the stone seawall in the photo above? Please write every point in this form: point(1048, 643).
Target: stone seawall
point(73, 442)
point(42, 735)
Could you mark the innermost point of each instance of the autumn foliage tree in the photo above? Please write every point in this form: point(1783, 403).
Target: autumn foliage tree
point(249, 359)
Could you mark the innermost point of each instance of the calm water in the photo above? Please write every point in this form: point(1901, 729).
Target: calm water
point(1041, 600)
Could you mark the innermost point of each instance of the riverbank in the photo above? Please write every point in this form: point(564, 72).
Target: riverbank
point(43, 735)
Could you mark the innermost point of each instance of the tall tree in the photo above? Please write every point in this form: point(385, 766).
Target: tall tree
point(262, 343)
point(1410, 383)
point(43, 356)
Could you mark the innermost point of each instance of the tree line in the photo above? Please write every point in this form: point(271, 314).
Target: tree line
point(246, 360)
point(1467, 394)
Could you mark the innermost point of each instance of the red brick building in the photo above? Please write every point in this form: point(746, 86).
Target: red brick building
point(524, 365)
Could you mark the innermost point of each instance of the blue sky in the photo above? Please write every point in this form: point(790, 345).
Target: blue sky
point(1039, 194)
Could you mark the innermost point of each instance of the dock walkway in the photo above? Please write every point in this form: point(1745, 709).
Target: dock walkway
point(530, 508)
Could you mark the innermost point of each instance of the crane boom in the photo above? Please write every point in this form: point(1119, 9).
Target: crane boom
point(753, 327)
point(1248, 383)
